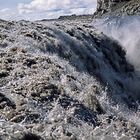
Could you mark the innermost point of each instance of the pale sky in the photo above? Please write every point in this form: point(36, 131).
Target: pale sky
point(42, 9)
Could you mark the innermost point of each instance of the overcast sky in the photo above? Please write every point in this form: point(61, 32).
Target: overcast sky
point(40, 9)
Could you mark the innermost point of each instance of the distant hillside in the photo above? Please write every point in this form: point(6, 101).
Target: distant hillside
point(73, 17)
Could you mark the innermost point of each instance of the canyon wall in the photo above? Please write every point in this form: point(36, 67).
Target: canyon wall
point(117, 7)
point(108, 4)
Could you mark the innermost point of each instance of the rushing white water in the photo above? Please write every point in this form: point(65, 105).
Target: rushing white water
point(126, 30)
point(65, 78)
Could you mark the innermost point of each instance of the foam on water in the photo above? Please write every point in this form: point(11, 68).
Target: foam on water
point(72, 58)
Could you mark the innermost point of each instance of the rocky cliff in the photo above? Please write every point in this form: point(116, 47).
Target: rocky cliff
point(117, 7)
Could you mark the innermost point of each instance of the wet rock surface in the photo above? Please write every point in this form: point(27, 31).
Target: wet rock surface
point(53, 83)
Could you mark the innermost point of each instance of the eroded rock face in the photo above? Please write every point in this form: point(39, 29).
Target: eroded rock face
point(108, 4)
point(117, 7)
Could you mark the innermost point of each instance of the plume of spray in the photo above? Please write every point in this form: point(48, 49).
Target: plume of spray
point(126, 30)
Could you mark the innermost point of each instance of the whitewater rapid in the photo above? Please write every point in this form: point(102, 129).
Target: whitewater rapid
point(126, 30)
point(65, 79)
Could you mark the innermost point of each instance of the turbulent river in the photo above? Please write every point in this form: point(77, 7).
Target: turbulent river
point(65, 79)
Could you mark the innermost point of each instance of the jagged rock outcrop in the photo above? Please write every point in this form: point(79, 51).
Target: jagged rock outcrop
point(117, 7)
point(107, 5)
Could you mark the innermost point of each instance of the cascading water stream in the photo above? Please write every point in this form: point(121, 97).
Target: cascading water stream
point(125, 30)
point(64, 78)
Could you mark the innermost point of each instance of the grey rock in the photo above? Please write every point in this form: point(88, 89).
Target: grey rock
point(117, 8)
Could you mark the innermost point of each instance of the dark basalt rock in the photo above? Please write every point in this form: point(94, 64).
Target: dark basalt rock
point(31, 136)
point(3, 74)
point(6, 101)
